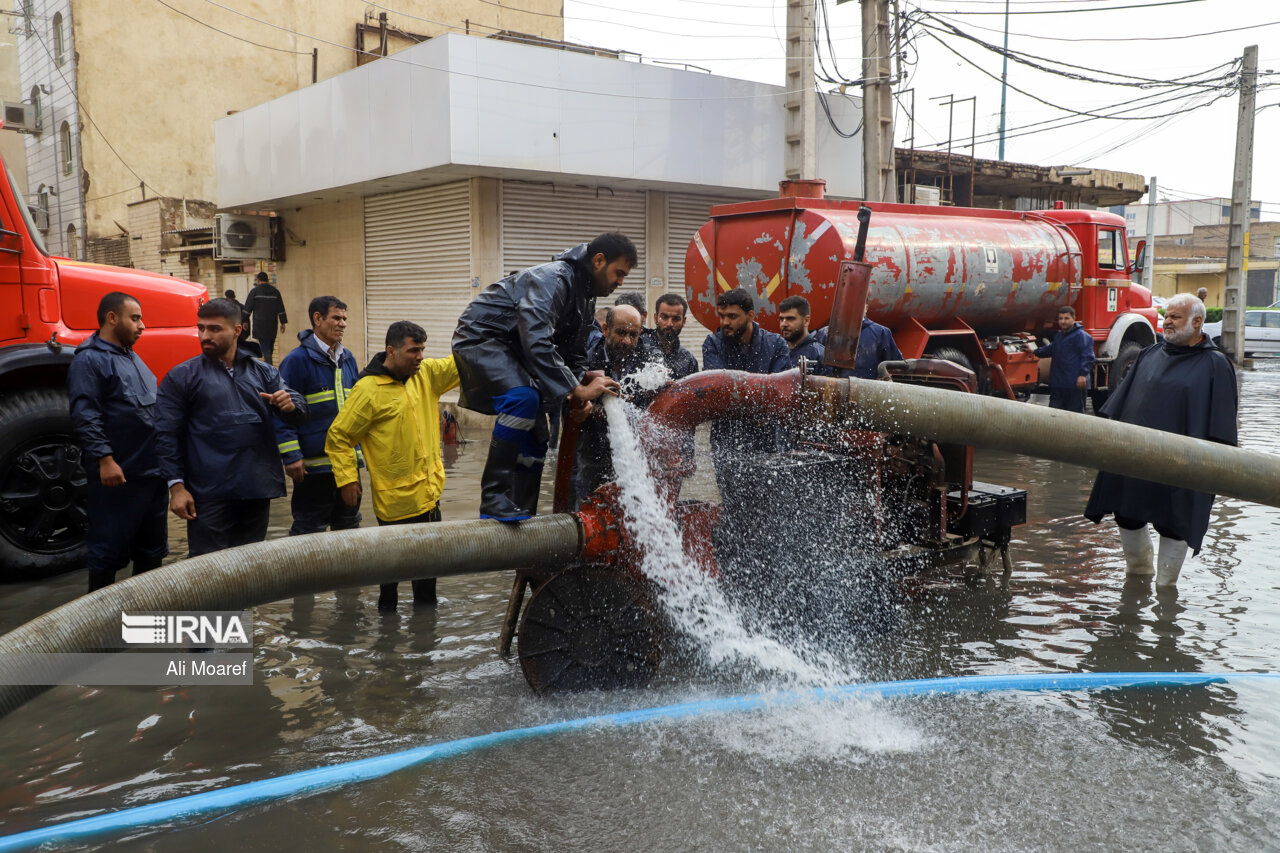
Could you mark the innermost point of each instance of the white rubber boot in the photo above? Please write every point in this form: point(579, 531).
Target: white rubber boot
point(1138, 553)
point(1169, 565)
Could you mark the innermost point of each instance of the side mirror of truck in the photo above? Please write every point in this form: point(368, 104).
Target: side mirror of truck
point(10, 242)
point(1139, 258)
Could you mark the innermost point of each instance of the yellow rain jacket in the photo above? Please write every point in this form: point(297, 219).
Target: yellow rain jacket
point(398, 426)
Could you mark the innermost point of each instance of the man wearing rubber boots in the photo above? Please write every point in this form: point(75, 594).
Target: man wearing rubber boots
point(113, 402)
point(1183, 385)
point(521, 351)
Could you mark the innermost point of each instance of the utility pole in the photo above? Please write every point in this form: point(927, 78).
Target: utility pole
point(1233, 302)
point(1004, 78)
point(802, 102)
point(879, 178)
point(1149, 265)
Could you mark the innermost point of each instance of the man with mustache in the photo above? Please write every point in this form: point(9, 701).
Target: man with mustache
point(669, 315)
point(215, 437)
point(1185, 385)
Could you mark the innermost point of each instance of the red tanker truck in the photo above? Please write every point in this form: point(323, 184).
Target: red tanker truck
point(48, 305)
point(969, 285)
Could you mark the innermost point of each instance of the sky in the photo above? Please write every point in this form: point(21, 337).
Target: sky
point(1169, 53)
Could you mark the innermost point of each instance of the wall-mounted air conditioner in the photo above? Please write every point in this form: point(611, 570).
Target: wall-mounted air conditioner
point(40, 216)
point(242, 237)
point(928, 195)
point(21, 117)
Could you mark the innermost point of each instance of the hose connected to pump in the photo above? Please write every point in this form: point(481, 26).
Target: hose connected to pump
point(242, 577)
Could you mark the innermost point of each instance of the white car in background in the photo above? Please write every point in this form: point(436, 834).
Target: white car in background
point(1261, 331)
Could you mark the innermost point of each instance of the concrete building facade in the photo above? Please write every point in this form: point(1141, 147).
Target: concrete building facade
point(128, 94)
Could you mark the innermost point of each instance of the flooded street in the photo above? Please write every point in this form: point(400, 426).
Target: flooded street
point(1188, 768)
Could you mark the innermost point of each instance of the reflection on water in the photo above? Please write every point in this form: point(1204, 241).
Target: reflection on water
point(1190, 768)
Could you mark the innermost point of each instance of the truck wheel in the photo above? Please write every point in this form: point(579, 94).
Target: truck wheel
point(42, 487)
point(953, 355)
point(1120, 365)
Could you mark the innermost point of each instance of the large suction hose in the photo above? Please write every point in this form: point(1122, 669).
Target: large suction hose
point(242, 577)
point(972, 419)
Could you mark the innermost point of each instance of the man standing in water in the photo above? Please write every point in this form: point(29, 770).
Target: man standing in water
point(1072, 353)
point(216, 439)
point(1183, 385)
point(113, 401)
point(393, 413)
point(740, 344)
point(520, 350)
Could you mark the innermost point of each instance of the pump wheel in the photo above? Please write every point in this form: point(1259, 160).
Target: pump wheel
point(42, 487)
point(953, 355)
point(589, 629)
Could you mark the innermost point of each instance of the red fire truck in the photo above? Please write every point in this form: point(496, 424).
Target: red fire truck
point(48, 305)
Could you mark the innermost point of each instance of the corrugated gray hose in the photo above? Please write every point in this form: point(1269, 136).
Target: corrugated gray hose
point(240, 578)
point(1085, 440)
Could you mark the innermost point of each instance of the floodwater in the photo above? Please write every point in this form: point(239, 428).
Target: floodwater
point(1182, 769)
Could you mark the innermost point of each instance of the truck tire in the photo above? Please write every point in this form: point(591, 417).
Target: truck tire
point(1120, 365)
point(42, 487)
point(953, 355)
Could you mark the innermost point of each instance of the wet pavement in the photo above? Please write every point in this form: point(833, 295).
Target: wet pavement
point(1176, 769)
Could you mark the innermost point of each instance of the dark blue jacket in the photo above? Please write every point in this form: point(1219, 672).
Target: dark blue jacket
point(875, 344)
point(811, 349)
point(1072, 354)
point(216, 433)
point(113, 408)
point(767, 352)
point(325, 387)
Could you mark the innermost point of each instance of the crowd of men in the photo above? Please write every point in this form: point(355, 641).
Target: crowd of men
point(215, 440)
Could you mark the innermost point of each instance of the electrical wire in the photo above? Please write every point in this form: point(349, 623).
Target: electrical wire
point(1125, 39)
point(232, 35)
point(1070, 11)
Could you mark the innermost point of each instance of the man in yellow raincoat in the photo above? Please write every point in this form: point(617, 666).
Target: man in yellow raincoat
point(393, 413)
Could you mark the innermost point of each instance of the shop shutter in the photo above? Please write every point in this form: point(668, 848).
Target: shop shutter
point(540, 221)
point(417, 249)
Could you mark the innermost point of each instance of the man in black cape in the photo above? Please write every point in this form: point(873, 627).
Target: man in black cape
point(1184, 385)
point(520, 347)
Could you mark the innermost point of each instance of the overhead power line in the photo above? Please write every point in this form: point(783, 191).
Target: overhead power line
point(1087, 9)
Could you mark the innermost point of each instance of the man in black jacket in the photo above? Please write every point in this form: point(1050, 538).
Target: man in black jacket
point(113, 398)
point(265, 306)
point(622, 352)
point(520, 351)
point(669, 315)
point(216, 440)
point(1183, 385)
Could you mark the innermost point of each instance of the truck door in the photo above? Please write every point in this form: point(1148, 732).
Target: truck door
point(14, 321)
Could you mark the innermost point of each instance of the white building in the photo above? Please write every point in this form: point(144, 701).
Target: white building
point(409, 183)
point(1181, 217)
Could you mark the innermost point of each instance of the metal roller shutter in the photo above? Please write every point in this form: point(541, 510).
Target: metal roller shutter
point(417, 249)
point(685, 215)
point(540, 221)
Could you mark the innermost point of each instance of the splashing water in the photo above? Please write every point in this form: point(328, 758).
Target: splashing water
point(693, 601)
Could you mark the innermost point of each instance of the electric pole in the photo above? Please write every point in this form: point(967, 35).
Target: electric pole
point(880, 181)
point(1149, 266)
point(1004, 78)
point(1233, 301)
point(802, 102)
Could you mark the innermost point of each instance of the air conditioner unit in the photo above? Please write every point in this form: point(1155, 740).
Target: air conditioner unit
point(21, 117)
point(240, 237)
point(40, 216)
point(928, 195)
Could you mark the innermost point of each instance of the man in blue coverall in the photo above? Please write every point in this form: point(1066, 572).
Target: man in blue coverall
point(215, 436)
point(1072, 353)
point(323, 371)
point(740, 344)
point(793, 323)
point(113, 401)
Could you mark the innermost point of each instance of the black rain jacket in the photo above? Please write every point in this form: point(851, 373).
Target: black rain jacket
point(113, 408)
point(527, 329)
point(1187, 390)
point(216, 434)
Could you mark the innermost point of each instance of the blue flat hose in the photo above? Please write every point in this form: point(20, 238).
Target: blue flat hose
point(365, 769)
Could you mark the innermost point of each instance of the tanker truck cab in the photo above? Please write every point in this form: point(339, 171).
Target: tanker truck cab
point(48, 305)
point(1114, 309)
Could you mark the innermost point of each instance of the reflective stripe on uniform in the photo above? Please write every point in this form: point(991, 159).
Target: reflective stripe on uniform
point(513, 422)
point(320, 396)
point(289, 446)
